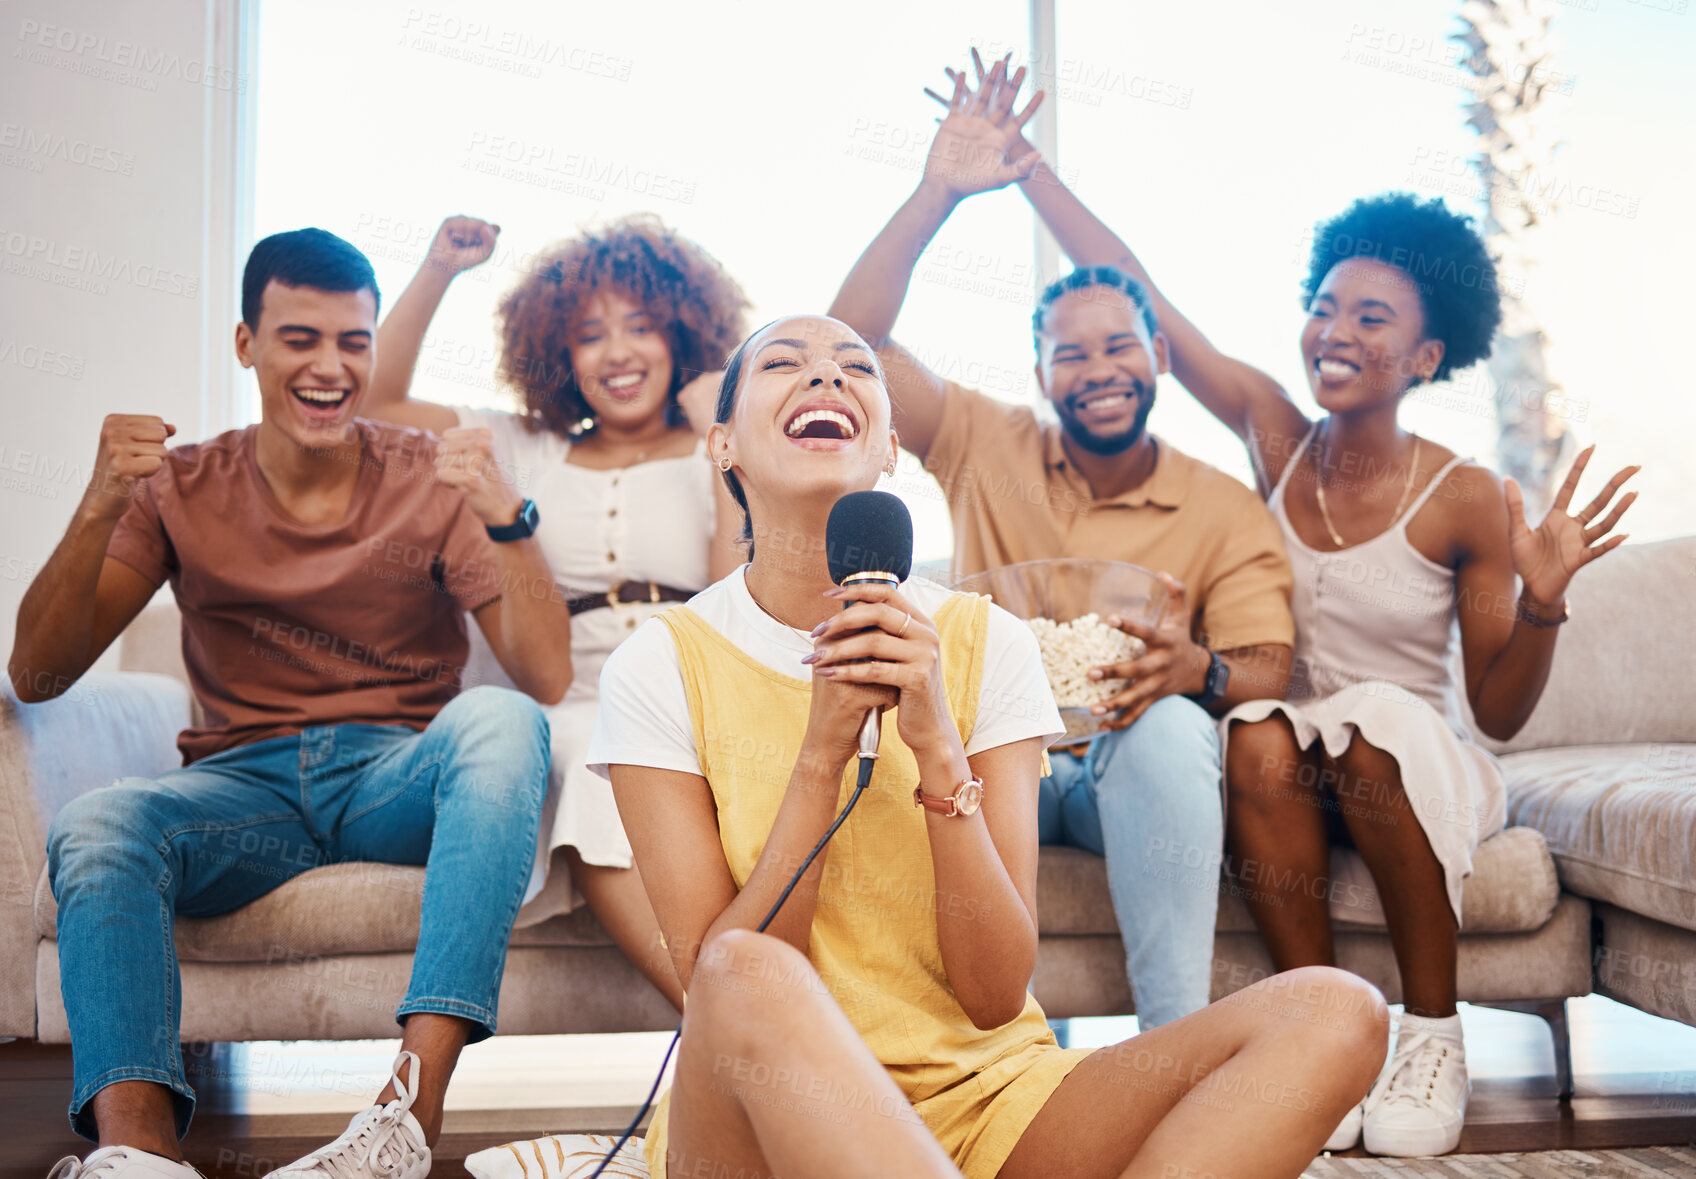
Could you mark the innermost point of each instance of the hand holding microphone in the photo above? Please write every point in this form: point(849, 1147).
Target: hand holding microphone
point(879, 643)
point(882, 640)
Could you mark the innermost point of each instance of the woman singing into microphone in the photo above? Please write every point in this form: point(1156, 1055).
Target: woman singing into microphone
point(882, 1025)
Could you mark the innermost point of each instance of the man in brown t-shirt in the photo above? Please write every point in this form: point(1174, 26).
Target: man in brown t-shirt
point(1097, 484)
point(324, 566)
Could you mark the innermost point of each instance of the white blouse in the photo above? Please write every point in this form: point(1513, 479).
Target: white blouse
point(649, 522)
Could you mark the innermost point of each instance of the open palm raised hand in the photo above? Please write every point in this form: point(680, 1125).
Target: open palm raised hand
point(967, 155)
point(1547, 556)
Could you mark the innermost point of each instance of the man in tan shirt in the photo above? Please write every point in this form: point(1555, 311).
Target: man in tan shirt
point(1097, 484)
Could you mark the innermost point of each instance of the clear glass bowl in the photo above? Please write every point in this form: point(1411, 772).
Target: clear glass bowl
point(1066, 589)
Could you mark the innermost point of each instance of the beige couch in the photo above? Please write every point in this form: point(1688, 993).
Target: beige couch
point(1605, 772)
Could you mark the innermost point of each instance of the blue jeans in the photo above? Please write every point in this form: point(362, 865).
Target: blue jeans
point(463, 798)
point(1148, 798)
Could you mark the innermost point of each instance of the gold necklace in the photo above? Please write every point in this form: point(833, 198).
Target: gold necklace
point(795, 630)
point(1325, 511)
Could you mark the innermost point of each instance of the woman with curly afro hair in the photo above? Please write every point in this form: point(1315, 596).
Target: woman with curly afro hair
point(605, 340)
point(1393, 539)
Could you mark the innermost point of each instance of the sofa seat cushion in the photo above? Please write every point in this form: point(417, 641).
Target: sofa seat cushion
point(1620, 821)
point(1513, 889)
point(373, 908)
point(358, 908)
point(1647, 963)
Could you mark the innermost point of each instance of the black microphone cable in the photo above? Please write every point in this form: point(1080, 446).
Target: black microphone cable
point(867, 763)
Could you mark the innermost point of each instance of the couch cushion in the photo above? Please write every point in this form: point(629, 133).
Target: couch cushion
point(373, 908)
point(545, 990)
point(1620, 821)
point(356, 908)
point(1512, 889)
point(1649, 964)
point(1086, 975)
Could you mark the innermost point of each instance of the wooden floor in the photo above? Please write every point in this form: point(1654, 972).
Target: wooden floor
point(263, 1105)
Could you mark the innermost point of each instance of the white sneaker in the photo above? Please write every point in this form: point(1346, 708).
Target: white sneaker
point(383, 1142)
point(1418, 1106)
point(1347, 1134)
point(121, 1162)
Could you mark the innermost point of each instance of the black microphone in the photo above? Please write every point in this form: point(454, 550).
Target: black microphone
point(869, 539)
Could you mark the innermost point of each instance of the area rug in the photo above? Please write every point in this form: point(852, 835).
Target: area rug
point(1639, 1163)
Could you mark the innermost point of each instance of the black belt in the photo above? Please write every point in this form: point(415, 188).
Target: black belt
point(627, 593)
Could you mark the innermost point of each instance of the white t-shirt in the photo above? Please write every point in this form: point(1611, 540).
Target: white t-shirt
point(644, 718)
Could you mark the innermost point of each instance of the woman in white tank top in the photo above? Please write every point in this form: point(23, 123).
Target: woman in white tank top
point(1401, 552)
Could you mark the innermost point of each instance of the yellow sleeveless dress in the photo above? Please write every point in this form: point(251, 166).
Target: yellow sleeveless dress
point(874, 940)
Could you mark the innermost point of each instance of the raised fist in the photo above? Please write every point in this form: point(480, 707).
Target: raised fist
point(465, 460)
point(461, 243)
point(132, 446)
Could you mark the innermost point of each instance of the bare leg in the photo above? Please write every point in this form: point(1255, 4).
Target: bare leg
point(1275, 833)
point(773, 1080)
point(1250, 1086)
point(437, 1040)
point(139, 1114)
point(620, 902)
point(1410, 879)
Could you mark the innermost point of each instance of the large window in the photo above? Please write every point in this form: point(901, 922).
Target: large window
point(779, 135)
point(782, 135)
point(1213, 137)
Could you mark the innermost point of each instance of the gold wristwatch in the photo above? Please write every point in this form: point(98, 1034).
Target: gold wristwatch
point(965, 800)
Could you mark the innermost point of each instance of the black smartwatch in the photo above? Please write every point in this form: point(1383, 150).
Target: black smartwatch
point(1218, 675)
point(525, 525)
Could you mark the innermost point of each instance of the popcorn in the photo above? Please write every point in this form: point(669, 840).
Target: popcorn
point(1071, 649)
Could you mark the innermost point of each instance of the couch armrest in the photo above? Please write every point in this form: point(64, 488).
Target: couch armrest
point(108, 726)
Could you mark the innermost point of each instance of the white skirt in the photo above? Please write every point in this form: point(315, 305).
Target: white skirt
point(578, 812)
point(1455, 787)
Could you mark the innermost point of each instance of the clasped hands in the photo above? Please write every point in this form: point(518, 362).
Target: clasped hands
point(880, 652)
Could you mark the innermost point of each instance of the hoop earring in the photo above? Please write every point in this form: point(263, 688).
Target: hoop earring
point(724, 464)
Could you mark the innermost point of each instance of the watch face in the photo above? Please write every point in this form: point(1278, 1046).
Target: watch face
point(969, 798)
point(1218, 676)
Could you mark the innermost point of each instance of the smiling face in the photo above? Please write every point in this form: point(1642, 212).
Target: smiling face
point(312, 352)
point(1364, 342)
point(810, 421)
point(1097, 365)
point(621, 358)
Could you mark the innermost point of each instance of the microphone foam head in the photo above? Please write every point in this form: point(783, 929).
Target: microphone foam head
point(869, 532)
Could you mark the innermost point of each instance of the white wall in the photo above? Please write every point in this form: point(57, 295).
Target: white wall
point(124, 217)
